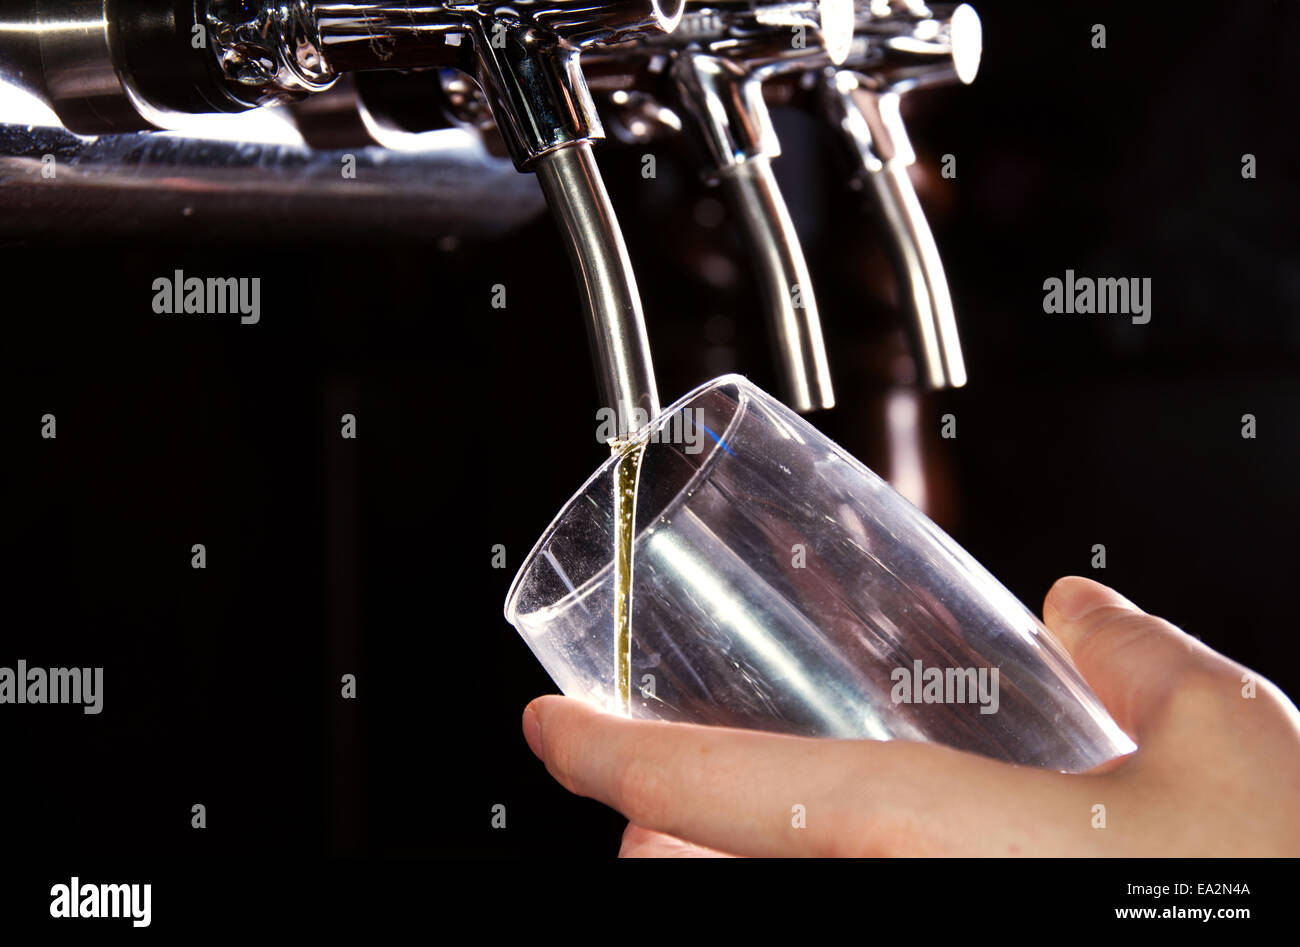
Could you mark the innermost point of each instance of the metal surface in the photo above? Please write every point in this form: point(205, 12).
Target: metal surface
point(114, 64)
point(616, 326)
point(723, 103)
point(895, 52)
point(525, 58)
point(711, 70)
point(163, 184)
point(524, 54)
point(871, 121)
point(268, 52)
point(719, 59)
point(353, 35)
point(80, 75)
point(713, 65)
point(536, 89)
point(784, 280)
point(905, 45)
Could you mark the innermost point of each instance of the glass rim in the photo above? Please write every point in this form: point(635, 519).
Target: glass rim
point(606, 468)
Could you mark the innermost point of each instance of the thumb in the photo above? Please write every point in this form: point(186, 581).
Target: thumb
point(1132, 660)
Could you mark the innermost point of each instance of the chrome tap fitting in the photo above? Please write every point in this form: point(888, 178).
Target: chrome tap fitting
point(125, 65)
point(712, 68)
point(899, 46)
point(525, 57)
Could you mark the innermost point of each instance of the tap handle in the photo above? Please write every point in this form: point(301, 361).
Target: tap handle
point(873, 126)
point(774, 249)
point(723, 108)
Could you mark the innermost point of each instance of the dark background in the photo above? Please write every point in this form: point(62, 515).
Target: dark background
point(373, 556)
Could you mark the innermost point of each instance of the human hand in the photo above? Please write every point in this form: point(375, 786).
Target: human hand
point(1216, 772)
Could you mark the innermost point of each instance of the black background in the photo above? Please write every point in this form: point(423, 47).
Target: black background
point(373, 556)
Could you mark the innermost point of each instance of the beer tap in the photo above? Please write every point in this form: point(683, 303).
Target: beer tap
point(712, 69)
point(115, 65)
point(722, 58)
point(862, 58)
point(899, 46)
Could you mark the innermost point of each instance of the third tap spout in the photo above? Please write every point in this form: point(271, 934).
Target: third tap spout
point(871, 121)
point(899, 46)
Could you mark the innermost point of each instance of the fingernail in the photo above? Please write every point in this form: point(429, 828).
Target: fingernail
point(533, 731)
point(1075, 598)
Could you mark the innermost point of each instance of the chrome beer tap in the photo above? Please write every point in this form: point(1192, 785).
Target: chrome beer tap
point(723, 55)
point(711, 70)
point(899, 46)
point(116, 65)
point(862, 58)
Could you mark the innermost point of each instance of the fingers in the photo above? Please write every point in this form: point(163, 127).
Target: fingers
point(729, 790)
point(1132, 660)
point(642, 843)
point(762, 794)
